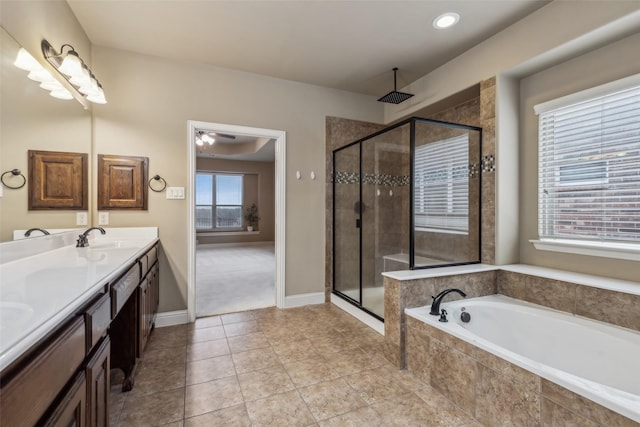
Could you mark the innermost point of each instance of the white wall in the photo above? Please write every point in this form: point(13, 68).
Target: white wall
point(150, 101)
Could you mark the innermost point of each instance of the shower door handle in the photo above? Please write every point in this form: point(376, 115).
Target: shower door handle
point(358, 223)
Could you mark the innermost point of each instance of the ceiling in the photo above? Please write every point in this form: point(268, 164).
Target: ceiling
point(242, 147)
point(347, 45)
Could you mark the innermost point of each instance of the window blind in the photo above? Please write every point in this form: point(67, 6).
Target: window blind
point(589, 168)
point(441, 184)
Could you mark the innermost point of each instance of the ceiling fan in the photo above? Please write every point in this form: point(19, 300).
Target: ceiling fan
point(209, 137)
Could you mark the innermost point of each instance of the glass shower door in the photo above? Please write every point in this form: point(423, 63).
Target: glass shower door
point(346, 222)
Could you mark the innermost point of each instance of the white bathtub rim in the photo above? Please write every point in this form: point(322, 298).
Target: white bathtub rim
point(622, 402)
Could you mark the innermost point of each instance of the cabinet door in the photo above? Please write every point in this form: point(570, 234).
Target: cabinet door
point(70, 412)
point(143, 315)
point(98, 386)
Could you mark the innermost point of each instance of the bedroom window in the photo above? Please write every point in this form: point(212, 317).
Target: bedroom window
point(218, 201)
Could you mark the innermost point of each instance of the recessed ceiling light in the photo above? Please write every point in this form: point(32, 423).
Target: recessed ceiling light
point(446, 20)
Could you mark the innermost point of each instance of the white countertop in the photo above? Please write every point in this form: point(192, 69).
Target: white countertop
point(41, 289)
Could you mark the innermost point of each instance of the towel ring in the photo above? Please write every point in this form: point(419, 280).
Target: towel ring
point(158, 178)
point(14, 172)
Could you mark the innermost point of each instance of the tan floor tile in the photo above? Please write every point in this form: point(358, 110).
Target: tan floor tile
point(170, 336)
point(363, 417)
point(327, 344)
point(233, 416)
point(411, 410)
point(200, 371)
point(206, 334)
point(153, 378)
point(350, 361)
point(310, 371)
point(248, 342)
point(375, 385)
point(265, 382)
point(242, 316)
point(404, 377)
point(241, 328)
point(330, 398)
point(211, 396)
point(166, 356)
point(254, 360)
point(295, 350)
point(284, 409)
point(207, 349)
point(153, 409)
point(206, 322)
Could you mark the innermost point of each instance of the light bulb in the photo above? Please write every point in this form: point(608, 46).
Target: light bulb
point(199, 142)
point(98, 97)
point(26, 62)
point(446, 20)
point(41, 76)
point(71, 65)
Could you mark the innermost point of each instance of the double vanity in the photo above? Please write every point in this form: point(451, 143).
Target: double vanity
point(67, 316)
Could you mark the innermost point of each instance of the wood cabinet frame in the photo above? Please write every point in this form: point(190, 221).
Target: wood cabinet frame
point(58, 180)
point(122, 182)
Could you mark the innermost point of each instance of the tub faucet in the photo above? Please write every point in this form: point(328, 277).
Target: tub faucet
point(83, 239)
point(435, 306)
point(31, 230)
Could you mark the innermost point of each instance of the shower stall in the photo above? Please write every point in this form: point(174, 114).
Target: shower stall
point(404, 198)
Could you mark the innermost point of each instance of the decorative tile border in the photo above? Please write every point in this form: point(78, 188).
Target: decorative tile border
point(488, 164)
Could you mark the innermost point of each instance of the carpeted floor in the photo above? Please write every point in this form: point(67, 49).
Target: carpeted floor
point(234, 278)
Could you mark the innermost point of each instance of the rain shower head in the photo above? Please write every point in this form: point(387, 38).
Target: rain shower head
point(395, 97)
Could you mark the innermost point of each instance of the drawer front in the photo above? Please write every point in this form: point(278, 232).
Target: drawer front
point(97, 319)
point(144, 266)
point(152, 255)
point(27, 395)
point(122, 289)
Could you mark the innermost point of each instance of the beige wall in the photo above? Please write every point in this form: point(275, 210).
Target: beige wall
point(606, 64)
point(150, 102)
point(30, 119)
point(262, 193)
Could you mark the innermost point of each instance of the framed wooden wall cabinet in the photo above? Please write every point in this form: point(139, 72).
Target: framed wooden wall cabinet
point(58, 180)
point(122, 182)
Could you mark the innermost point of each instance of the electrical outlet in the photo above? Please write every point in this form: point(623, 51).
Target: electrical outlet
point(81, 218)
point(103, 218)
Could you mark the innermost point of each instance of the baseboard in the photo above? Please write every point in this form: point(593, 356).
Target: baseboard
point(171, 318)
point(304, 299)
point(362, 316)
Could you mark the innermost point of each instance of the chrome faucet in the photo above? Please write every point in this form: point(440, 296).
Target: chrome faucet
point(31, 230)
point(83, 239)
point(435, 305)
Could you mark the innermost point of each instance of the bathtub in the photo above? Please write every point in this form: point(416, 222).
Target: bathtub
point(596, 360)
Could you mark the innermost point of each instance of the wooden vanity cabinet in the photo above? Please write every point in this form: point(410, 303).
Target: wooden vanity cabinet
point(97, 377)
point(147, 306)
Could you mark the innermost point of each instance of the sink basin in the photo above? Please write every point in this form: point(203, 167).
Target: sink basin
point(106, 244)
point(14, 313)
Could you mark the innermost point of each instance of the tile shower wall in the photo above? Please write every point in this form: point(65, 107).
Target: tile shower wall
point(494, 391)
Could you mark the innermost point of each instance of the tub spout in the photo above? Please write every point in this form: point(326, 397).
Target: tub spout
point(435, 306)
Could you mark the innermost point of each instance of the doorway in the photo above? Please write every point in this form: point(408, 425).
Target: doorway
point(198, 130)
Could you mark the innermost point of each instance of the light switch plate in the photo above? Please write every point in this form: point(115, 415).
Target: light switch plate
point(103, 218)
point(81, 218)
point(174, 193)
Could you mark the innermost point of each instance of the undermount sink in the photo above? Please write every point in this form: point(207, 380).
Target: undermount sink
point(14, 312)
point(105, 244)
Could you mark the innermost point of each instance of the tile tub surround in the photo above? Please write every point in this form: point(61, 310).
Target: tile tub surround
point(402, 291)
point(306, 366)
point(495, 391)
point(611, 301)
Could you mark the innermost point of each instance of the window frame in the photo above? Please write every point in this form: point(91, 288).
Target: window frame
point(214, 206)
point(603, 244)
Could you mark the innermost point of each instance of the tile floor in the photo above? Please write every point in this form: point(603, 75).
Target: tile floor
point(309, 366)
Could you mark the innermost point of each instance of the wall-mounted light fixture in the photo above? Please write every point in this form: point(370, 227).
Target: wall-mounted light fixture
point(75, 79)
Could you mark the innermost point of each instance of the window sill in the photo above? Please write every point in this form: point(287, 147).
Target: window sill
point(226, 233)
point(628, 251)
